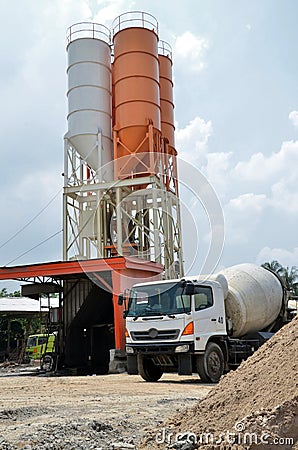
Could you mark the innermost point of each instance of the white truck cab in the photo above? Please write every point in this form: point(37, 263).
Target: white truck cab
point(169, 325)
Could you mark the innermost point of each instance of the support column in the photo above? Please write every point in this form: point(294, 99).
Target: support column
point(119, 321)
point(157, 249)
point(119, 220)
point(8, 335)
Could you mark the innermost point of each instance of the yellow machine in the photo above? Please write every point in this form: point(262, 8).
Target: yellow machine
point(39, 344)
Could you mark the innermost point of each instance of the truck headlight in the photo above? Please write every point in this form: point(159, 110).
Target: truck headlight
point(182, 348)
point(129, 350)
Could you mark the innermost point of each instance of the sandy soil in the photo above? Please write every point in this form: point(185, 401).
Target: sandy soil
point(259, 400)
point(92, 412)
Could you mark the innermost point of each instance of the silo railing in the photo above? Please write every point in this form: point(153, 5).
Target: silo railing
point(88, 30)
point(132, 19)
point(164, 49)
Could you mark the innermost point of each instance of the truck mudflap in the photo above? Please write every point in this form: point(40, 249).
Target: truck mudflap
point(132, 365)
point(184, 364)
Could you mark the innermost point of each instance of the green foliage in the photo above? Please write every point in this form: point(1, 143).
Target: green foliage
point(4, 293)
point(15, 294)
point(289, 275)
point(16, 332)
point(19, 328)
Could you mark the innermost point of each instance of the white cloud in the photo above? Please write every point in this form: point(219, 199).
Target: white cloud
point(192, 140)
point(217, 166)
point(283, 256)
point(268, 168)
point(109, 10)
point(190, 49)
point(250, 204)
point(259, 174)
point(250, 190)
point(285, 195)
point(293, 116)
point(242, 217)
point(262, 173)
point(67, 10)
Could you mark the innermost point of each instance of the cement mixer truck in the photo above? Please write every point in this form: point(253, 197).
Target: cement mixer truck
point(207, 325)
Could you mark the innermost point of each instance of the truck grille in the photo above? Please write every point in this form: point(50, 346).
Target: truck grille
point(154, 335)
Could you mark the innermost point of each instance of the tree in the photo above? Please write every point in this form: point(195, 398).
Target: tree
point(289, 275)
point(275, 266)
point(13, 332)
point(3, 292)
point(16, 332)
point(15, 294)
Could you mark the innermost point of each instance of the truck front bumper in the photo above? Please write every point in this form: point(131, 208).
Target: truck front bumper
point(167, 349)
point(172, 357)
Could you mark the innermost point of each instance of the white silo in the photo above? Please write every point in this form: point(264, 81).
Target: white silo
point(90, 96)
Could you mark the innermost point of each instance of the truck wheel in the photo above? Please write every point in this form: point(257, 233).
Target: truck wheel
point(148, 370)
point(47, 362)
point(211, 365)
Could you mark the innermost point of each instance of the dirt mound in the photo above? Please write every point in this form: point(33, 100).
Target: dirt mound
point(256, 403)
point(21, 413)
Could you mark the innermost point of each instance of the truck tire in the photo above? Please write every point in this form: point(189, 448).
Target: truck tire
point(210, 366)
point(148, 370)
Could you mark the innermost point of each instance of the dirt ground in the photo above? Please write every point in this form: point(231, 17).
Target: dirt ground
point(91, 412)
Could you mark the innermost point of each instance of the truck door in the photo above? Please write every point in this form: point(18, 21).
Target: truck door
point(208, 316)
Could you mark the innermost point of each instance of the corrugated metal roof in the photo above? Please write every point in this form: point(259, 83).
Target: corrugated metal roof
point(26, 305)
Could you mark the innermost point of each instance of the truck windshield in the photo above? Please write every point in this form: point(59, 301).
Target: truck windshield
point(32, 341)
point(158, 299)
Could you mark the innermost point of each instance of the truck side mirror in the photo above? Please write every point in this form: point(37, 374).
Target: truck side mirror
point(120, 299)
point(189, 289)
point(182, 283)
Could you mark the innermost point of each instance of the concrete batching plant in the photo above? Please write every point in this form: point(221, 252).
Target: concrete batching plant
point(120, 200)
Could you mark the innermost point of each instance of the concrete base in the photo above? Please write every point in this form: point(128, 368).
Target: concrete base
point(118, 361)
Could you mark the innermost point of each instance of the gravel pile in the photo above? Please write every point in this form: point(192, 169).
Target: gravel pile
point(70, 435)
point(257, 403)
point(22, 413)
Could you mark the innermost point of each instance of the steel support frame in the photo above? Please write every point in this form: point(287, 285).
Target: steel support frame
point(136, 217)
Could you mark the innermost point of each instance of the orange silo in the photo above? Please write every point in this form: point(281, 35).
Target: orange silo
point(167, 115)
point(137, 126)
point(166, 92)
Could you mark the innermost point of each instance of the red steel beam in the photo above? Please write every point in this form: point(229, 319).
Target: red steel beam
point(61, 268)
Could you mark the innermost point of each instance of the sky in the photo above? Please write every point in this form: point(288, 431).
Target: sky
point(235, 68)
